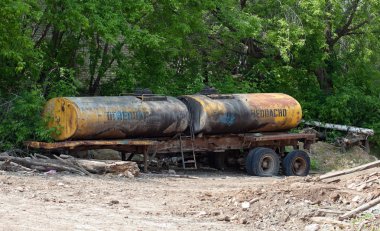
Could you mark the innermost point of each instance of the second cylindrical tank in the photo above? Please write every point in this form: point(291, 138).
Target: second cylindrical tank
point(237, 113)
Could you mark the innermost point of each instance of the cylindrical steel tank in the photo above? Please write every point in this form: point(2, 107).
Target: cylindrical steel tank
point(116, 117)
point(235, 113)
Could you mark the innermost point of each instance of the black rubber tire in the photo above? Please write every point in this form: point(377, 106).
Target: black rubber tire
point(265, 162)
point(296, 163)
point(248, 160)
point(217, 160)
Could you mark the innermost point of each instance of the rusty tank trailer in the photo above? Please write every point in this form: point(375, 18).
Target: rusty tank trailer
point(238, 113)
point(243, 130)
point(79, 118)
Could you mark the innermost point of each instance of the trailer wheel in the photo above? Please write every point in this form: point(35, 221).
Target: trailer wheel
point(265, 162)
point(296, 163)
point(249, 159)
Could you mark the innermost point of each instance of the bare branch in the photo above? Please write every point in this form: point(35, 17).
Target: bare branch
point(343, 30)
point(44, 33)
point(216, 14)
point(357, 26)
point(349, 14)
point(243, 4)
point(363, 32)
point(328, 32)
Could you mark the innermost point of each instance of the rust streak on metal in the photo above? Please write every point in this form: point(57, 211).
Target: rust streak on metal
point(238, 113)
point(205, 143)
point(115, 117)
point(88, 143)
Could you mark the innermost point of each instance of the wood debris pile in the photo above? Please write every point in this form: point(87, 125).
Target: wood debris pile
point(364, 183)
point(65, 163)
point(343, 200)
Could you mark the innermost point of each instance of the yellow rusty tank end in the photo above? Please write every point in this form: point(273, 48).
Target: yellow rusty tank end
point(62, 115)
point(116, 117)
point(268, 107)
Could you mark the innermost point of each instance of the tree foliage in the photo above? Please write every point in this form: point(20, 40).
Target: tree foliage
point(325, 53)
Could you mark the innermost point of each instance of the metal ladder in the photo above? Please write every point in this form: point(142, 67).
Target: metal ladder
point(193, 161)
point(188, 162)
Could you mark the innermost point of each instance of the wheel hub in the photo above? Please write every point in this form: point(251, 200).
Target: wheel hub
point(267, 164)
point(299, 166)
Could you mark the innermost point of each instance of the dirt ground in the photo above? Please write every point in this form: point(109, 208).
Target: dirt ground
point(205, 200)
point(212, 201)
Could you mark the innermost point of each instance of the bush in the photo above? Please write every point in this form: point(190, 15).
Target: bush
point(21, 120)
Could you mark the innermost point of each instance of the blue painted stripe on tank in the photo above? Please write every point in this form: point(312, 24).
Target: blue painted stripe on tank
point(227, 119)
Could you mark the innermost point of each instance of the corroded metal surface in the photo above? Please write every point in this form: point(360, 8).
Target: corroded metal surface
point(207, 143)
point(88, 143)
point(116, 117)
point(220, 143)
point(238, 113)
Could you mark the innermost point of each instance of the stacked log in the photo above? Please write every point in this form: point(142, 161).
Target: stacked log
point(70, 164)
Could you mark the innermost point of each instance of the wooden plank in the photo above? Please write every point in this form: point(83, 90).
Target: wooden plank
point(359, 209)
point(87, 143)
point(351, 170)
point(285, 136)
point(170, 145)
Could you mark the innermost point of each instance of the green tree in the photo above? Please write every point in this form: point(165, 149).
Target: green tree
point(325, 53)
point(17, 58)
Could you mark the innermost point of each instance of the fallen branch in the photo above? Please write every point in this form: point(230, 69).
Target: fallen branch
point(10, 166)
point(176, 176)
point(101, 167)
point(360, 209)
point(330, 211)
point(339, 127)
point(91, 166)
point(351, 170)
point(41, 156)
point(67, 162)
point(33, 157)
point(326, 220)
point(21, 167)
point(362, 224)
point(254, 200)
point(29, 163)
point(336, 180)
point(4, 154)
point(183, 176)
point(73, 165)
point(39, 168)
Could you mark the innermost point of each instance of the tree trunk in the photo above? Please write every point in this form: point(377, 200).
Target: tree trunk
point(324, 80)
point(109, 166)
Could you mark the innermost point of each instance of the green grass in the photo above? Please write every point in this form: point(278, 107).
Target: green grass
point(314, 165)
